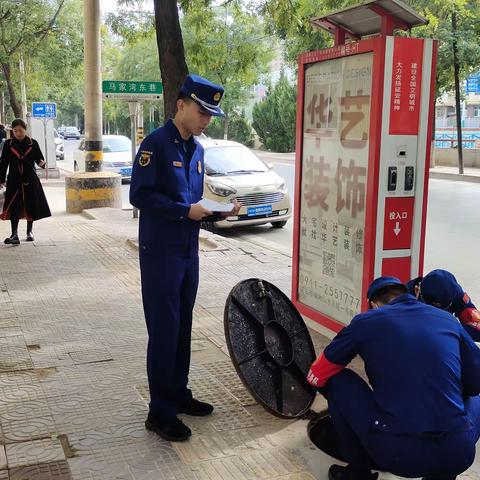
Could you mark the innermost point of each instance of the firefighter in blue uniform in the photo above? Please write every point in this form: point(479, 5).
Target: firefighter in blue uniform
point(420, 415)
point(167, 184)
point(441, 289)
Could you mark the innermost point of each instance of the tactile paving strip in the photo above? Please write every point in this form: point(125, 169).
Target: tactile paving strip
point(228, 413)
point(222, 444)
point(34, 452)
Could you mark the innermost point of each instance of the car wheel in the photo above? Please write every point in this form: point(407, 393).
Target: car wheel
point(279, 224)
point(209, 226)
point(75, 166)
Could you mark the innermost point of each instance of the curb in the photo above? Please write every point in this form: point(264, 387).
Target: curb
point(455, 177)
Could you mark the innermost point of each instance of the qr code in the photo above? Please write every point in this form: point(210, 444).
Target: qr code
point(328, 264)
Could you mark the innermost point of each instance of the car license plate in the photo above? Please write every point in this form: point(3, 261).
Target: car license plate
point(126, 171)
point(263, 210)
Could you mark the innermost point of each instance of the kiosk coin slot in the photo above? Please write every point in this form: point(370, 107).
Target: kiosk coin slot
point(409, 177)
point(392, 179)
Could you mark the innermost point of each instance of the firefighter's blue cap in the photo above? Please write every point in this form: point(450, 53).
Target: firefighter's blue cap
point(205, 93)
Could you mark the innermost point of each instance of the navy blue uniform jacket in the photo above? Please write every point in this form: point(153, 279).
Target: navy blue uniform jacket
point(419, 360)
point(164, 185)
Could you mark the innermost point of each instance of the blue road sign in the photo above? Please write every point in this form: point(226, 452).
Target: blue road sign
point(45, 110)
point(473, 84)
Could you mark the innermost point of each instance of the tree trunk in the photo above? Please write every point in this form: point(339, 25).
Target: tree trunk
point(171, 53)
point(16, 107)
point(456, 73)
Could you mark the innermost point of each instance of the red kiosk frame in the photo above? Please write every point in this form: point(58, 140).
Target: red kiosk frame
point(394, 82)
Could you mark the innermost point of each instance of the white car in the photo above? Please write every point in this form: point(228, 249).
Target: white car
point(117, 156)
point(59, 146)
point(234, 171)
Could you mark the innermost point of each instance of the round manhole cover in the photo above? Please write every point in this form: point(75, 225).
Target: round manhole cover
point(270, 347)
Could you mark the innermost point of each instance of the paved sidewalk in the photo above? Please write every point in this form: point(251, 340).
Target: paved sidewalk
point(73, 387)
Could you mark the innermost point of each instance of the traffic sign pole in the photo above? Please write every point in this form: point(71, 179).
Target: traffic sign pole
point(46, 111)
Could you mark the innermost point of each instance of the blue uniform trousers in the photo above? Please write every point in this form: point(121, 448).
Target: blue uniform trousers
point(354, 412)
point(169, 288)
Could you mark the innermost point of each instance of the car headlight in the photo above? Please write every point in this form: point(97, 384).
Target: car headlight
point(221, 190)
point(283, 187)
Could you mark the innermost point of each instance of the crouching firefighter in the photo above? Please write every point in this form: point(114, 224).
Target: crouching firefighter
point(419, 416)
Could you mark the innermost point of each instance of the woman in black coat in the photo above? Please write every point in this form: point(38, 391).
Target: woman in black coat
point(24, 197)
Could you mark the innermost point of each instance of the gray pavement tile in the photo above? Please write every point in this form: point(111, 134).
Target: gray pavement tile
point(28, 429)
point(14, 357)
point(11, 334)
point(34, 452)
point(10, 411)
point(21, 393)
point(3, 459)
point(88, 402)
point(4, 475)
point(157, 461)
point(90, 355)
point(44, 471)
point(16, 379)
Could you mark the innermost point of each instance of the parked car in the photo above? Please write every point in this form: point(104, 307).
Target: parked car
point(71, 132)
point(59, 146)
point(117, 156)
point(234, 171)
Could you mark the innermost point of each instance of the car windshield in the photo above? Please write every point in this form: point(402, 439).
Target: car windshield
point(232, 160)
point(120, 144)
point(72, 129)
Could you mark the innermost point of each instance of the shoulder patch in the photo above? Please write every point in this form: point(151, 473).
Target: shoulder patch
point(145, 158)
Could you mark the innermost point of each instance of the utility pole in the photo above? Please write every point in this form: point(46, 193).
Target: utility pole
point(93, 87)
point(92, 188)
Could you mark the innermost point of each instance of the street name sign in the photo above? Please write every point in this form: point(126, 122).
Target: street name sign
point(133, 91)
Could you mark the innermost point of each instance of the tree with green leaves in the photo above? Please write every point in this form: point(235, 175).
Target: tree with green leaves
point(24, 27)
point(274, 118)
point(227, 45)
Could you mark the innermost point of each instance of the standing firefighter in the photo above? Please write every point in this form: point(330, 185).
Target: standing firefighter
point(420, 415)
point(167, 184)
point(24, 197)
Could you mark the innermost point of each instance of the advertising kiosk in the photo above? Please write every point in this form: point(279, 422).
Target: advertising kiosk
point(364, 129)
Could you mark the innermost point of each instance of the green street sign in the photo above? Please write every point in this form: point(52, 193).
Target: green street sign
point(127, 90)
point(115, 86)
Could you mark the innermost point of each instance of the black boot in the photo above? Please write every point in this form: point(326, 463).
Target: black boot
point(196, 408)
point(173, 430)
point(30, 237)
point(12, 239)
point(336, 472)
